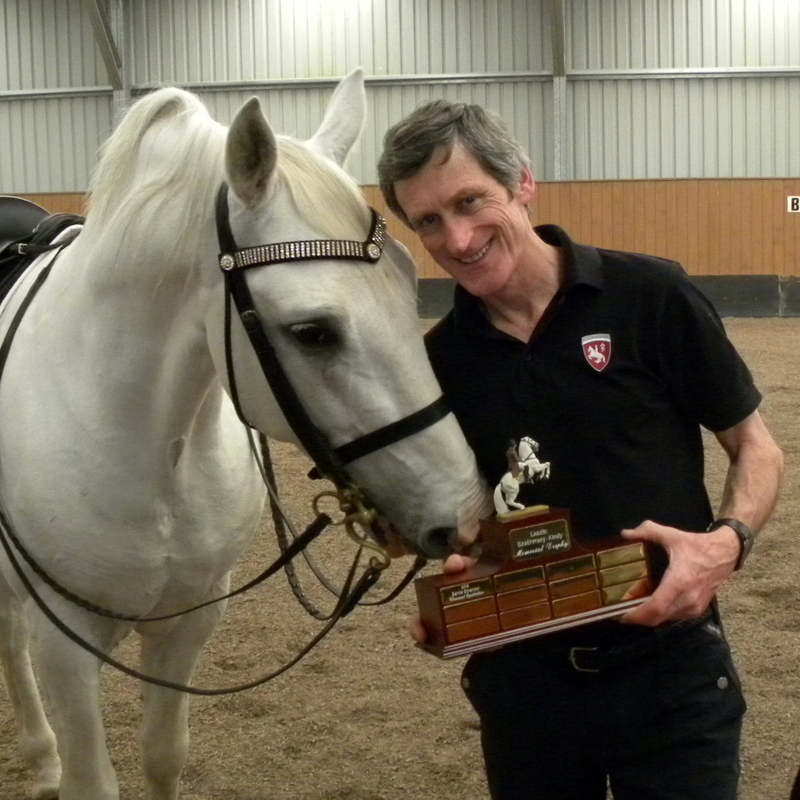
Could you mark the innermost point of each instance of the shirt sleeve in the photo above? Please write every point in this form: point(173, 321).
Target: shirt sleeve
point(707, 377)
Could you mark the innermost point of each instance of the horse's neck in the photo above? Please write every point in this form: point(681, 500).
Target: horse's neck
point(145, 340)
point(530, 458)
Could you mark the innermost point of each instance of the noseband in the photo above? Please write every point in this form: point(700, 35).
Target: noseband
point(330, 462)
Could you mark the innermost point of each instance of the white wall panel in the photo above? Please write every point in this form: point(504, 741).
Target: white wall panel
point(646, 125)
point(674, 34)
point(191, 41)
point(525, 105)
point(46, 44)
point(50, 145)
point(685, 128)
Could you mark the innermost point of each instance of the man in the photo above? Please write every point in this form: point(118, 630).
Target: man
point(612, 362)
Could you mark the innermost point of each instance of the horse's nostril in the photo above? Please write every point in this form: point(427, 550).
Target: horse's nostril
point(438, 542)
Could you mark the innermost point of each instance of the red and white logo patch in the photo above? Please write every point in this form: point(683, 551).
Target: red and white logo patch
point(597, 350)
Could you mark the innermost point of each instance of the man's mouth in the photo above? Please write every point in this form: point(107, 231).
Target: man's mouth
point(478, 256)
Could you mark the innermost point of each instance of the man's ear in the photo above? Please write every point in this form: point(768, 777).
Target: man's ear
point(526, 189)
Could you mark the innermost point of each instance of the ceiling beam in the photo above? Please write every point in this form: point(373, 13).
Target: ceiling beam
point(105, 41)
point(558, 40)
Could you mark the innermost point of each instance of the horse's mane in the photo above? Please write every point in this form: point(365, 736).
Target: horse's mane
point(131, 184)
point(185, 159)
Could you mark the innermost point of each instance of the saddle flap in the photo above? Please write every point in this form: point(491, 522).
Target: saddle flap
point(18, 218)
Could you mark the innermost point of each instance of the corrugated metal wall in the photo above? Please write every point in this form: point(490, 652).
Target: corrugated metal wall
point(654, 88)
point(720, 98)
point(197, 40)
point(674, 34)
point(299, 112)
point(46, 44)
point(685, 128)
point(196, 43)
point(49, 139)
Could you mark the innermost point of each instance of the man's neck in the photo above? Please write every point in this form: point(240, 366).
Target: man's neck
point(519, 308)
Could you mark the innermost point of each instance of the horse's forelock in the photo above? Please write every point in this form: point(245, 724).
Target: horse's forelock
point(323, 193)
point(332, 202)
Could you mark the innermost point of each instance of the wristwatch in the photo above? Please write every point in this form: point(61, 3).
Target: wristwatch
point(746, 537)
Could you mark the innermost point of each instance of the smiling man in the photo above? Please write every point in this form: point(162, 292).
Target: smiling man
point(612, 362)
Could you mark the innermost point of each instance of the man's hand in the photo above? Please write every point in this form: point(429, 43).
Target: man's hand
point(454, 563)
point(698, 564)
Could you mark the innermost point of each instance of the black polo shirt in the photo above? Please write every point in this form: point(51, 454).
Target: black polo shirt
point(625, 366)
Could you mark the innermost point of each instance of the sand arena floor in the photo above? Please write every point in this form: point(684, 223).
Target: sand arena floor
point(369, 717)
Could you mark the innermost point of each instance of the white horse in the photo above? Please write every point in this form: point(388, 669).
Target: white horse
point(524, 467)
point(123, 466)
point(532, 468)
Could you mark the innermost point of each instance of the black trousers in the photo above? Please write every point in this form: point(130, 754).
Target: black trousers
point(659, 722)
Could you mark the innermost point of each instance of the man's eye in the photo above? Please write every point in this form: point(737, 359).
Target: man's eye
point(314, 334)
point(426, 222)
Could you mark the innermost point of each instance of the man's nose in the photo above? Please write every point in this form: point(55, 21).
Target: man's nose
point(459, 236)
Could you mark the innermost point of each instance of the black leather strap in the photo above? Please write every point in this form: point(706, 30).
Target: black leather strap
point(23, 307)
point(742, 531)
point(395, 431)
point(311, 438)
point(329, 462)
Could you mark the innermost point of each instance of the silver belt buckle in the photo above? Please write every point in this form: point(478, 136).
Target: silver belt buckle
point(575, 650)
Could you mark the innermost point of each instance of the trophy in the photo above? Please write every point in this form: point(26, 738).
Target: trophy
point(534, 576)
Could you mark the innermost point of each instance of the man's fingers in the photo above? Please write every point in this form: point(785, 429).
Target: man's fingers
point(457, 563)
point(417, 630)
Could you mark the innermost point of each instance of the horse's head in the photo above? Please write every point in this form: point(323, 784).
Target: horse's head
point(345, 330)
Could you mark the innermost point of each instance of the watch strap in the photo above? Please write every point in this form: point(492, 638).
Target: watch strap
point(742, 531)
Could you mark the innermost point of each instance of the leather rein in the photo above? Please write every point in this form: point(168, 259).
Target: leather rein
point(329, 462)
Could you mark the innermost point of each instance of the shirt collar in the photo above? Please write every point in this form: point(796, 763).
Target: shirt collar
point(583, 266)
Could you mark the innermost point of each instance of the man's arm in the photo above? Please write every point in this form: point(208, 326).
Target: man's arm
point(700, 562)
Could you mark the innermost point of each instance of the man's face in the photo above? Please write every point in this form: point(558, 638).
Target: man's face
point(472, 226)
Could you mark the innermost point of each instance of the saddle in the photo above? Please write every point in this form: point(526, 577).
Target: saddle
point(26, 231)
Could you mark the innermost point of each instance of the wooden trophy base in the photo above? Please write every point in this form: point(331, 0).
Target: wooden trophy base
point(533, 577)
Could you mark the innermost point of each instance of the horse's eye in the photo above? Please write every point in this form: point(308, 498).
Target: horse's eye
point(314, 334)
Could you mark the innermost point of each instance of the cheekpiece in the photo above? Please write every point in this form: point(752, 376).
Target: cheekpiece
point(263, 255)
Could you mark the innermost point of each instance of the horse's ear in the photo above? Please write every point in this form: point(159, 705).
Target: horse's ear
point(251, 154)
point(344, 119)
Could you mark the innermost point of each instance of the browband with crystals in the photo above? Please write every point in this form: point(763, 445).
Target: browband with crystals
point(265, 254)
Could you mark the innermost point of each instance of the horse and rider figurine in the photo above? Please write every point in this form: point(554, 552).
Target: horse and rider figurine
point(523, 467)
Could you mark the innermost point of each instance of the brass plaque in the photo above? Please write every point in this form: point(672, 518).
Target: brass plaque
point(620, 555)
point(575, 585)
point(538, 541)
point(524, 597)
point(475, 608)
point(577, 604)
point(625, 591)
point(527, 615)
point(470, 629)
point(570, 566)
point(623, 573)
point(463, 592)
point(518, 580)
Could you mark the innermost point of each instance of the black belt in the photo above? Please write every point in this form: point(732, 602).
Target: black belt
point(605, 656)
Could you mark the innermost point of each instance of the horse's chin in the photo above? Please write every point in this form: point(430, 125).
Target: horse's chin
point(438, 543)
point(391, 541)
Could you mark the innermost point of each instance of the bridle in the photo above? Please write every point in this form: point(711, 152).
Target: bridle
point(329, 462)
